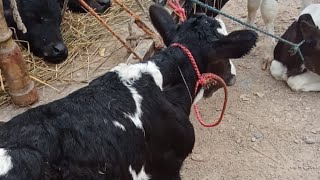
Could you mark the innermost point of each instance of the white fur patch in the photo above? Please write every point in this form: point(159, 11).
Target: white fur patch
point(5, 162)
point(314, 11)
point(135, 118)
point(223, 29)
point(199, 96)
point(132, 72)
point(278, 70)
point(233, 68)
point(307, 81)
point(142, 175)
point(129, 73)
point(119, 125)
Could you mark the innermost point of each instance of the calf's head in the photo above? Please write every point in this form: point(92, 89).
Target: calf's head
point(42, 19)
point(207, 40)
point(309, 32)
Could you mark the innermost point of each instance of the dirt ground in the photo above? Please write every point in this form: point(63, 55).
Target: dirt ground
point(269, 132)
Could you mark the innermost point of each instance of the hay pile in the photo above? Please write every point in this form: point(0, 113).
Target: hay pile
point(86, 40)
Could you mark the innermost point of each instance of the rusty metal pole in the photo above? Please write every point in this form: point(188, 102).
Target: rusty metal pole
point(21, 88)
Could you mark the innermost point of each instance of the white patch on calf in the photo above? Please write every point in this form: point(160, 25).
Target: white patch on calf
point(307, 81)
point(233, 68)
point(135, 118)
point(119, 125)
point(132, 72)
point(223, 29)
point(141, 176)
point(199, 96)
point(314, 11)
point(5, 162)
point(278, 70)
point(129, 73)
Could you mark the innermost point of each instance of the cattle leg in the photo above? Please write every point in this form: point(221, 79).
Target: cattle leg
point(269, 10)
point(253, 6)
point(306, 82)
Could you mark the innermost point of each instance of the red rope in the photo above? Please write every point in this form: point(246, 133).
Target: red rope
point(178, 9)
point(204, 80)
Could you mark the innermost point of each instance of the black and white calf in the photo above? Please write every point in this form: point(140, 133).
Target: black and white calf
point(132, 122)
point(300, 75)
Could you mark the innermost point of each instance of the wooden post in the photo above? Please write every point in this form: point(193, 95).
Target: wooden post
point(21, 88)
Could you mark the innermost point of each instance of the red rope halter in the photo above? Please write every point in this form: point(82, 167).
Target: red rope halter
point(203, 80)
point(175, 5)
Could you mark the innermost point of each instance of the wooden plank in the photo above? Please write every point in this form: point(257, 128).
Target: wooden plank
point(144, 49)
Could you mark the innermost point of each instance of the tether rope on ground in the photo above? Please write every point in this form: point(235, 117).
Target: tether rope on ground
point(295, 47)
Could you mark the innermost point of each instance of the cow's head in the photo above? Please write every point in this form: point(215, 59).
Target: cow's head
point(42, 19)
point(311, 47)
point(207, 39)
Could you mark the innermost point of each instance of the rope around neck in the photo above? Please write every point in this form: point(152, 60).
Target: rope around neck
point(204, 80)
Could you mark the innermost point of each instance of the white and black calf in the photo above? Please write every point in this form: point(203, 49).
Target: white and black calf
point(300, 75)
point(132, 122)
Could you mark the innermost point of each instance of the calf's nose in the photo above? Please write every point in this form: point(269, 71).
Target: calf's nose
point(59, 48)
point(56, 53)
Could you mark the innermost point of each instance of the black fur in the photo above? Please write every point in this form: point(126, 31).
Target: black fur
point(75, 138)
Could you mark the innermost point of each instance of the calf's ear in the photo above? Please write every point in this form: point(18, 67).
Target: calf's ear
point(306, 26)
point(163, 22)
point(235, 45)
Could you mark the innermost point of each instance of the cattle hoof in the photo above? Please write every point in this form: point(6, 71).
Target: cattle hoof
point(266, 64)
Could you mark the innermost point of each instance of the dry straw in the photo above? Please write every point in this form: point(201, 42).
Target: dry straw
point(88, 43)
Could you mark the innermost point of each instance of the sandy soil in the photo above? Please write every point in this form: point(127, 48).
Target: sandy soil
point(269, 132)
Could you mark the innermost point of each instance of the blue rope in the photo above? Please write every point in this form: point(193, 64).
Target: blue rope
point(295, 47)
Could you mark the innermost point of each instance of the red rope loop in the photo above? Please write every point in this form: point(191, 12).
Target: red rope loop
point(204, 80)
point(178, 9)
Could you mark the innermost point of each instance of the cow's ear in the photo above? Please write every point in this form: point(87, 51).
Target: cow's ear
point(235, 45)
point(306, 26)
point(163, 22)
